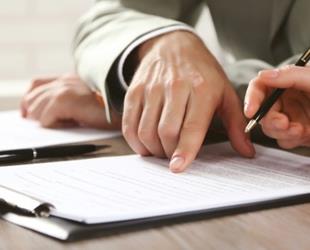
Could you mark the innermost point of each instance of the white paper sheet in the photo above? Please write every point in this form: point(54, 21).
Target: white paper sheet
point(16, 132)
point(130, 187)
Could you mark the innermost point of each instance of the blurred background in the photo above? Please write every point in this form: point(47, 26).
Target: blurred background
point(36, 38)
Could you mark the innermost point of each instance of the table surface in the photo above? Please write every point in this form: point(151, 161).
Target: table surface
point(280, 228)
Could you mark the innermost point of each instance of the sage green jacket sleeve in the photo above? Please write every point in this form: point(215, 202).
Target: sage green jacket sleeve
point(297, 29)
point(111, 25)
point(292, 39)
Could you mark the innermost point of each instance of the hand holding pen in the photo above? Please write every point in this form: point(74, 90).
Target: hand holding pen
point(285, 114)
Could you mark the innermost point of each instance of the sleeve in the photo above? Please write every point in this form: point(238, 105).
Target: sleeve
point(295, 40)
point(111, 26)
point(297, 30)
point(240, 73)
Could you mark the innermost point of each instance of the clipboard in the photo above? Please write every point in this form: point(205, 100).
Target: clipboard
point(66, 230)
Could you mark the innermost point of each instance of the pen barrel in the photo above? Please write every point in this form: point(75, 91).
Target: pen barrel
point(304, 59)
point(24, 155)
point(268, 103)
point(20, 155)
point(64, 151)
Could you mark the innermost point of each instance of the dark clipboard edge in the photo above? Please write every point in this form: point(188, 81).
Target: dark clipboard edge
point(69, 231)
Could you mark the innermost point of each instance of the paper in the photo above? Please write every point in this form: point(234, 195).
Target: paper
point(17, 132)
point(131, 187)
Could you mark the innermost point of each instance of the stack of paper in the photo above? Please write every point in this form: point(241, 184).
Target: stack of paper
point(131, 187)
point(17, 132)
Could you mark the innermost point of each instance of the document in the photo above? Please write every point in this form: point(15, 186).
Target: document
point(16, 133)
point(112, 189)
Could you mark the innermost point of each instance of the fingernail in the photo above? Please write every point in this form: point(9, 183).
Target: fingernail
point(246, 107)
point(176, 163)
point(273, 73)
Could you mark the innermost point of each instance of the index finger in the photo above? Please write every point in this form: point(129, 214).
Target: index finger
point(287, 77)
point(198, 116)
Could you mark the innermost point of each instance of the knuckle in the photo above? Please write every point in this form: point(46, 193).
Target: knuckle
point(127, 131)
point(138, 88)
point(193, 127)
point(167, 131)
point(175, 83)
point(202, 88)
point(135, 91)
point(130, 136)
point(145, 135)
point(197, 78)
point(199, 82)
point(153, 90)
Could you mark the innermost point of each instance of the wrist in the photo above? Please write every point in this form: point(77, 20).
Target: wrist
point(167, 39)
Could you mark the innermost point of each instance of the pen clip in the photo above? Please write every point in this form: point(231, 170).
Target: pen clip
point(23, 204)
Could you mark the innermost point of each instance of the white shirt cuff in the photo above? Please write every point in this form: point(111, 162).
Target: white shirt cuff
point(141, 40)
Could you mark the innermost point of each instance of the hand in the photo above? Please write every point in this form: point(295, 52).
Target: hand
point(65, 101)
point(176, 89)
point(288, 121)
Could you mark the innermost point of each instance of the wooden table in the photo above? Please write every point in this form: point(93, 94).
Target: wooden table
point(281, 228)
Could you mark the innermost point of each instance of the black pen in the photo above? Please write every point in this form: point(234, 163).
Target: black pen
point(268, 103)
point(29, 154)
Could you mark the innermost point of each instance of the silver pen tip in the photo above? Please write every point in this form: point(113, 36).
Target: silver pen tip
point(250, 126)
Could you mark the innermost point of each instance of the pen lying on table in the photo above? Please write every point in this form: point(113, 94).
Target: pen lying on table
point(29, 154)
